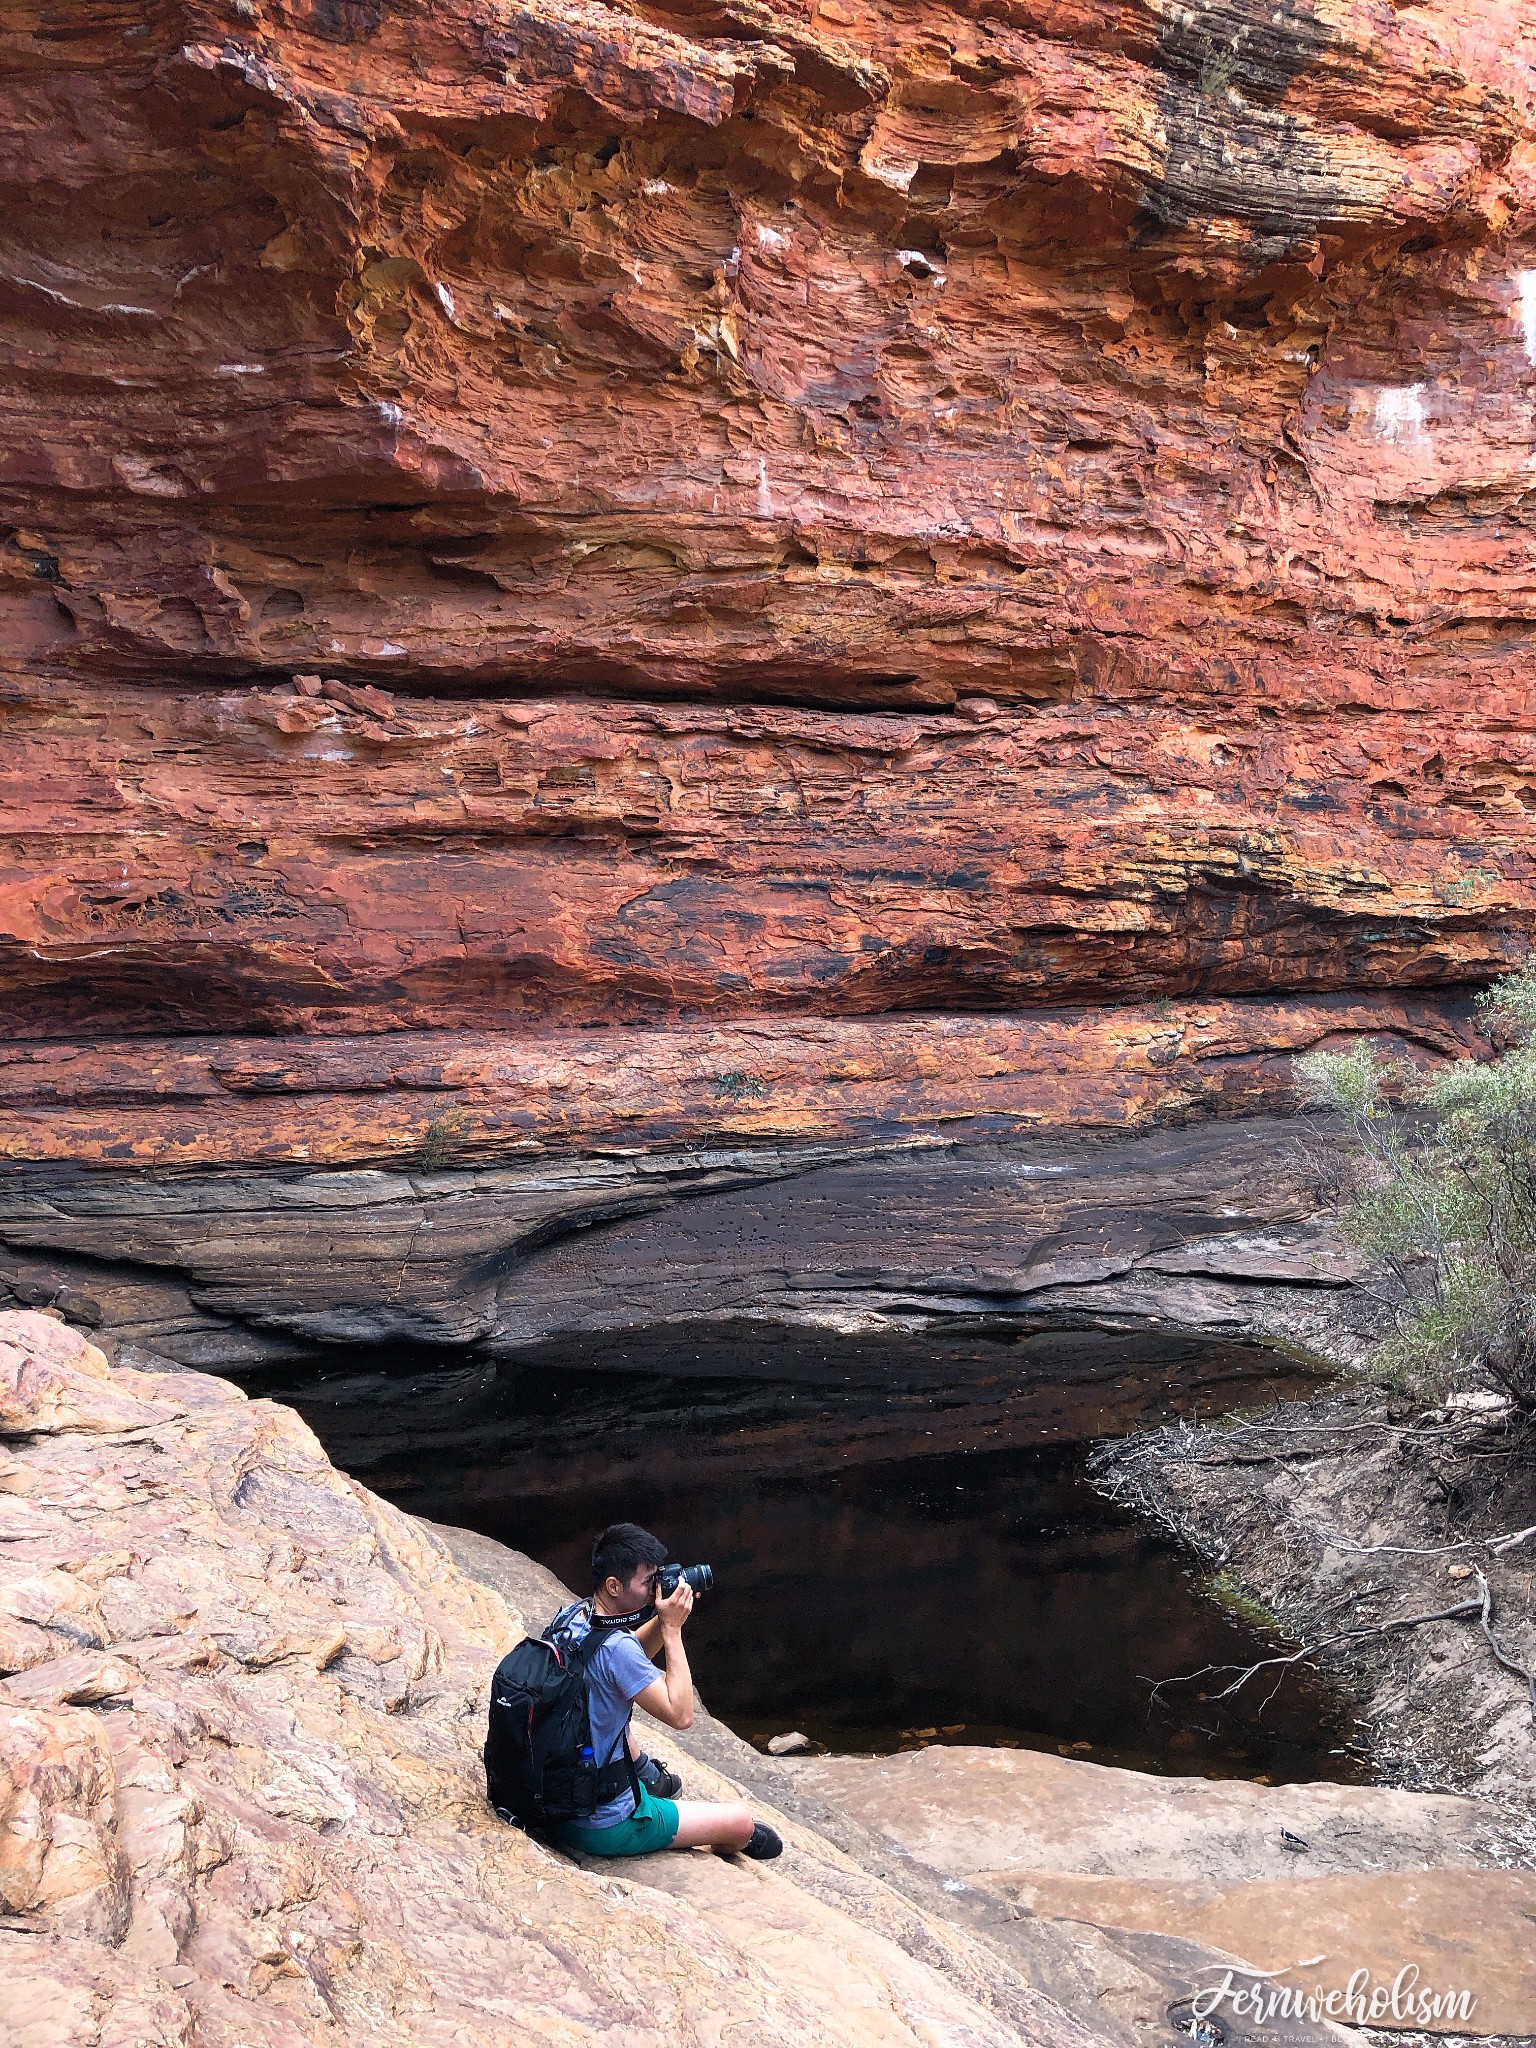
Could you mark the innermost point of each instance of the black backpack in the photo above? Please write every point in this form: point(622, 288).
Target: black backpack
point(535, 1773)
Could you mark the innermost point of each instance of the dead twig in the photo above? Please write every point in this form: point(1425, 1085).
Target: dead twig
point(1362, 1632)
point(1354, 1593)
point(1253, 1458)
point(1421, 1426)
point(1495, 1545)
point(1485, 1622)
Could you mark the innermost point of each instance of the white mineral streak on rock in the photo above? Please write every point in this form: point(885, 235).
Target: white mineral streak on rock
point(274, 1832)
point(1525, 311)
point(1399, 412)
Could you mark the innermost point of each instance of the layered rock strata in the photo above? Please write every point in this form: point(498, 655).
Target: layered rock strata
point(427, 1102)
point(1211, 1228)
point(246, 860)
point(838, 352)
point(742, 519)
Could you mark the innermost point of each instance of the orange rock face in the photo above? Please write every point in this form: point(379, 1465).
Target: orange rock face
point(755, 516)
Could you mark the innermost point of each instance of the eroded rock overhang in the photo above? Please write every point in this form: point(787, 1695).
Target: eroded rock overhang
point(669, 597)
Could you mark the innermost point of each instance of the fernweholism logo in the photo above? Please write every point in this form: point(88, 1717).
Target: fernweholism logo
point(1261, 1995)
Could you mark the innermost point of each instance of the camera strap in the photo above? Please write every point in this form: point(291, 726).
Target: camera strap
point(599, 1625)
point(606, 1624)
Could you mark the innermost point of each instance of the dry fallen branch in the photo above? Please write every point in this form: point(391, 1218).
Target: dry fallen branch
point(1495, 1545)
point(1422, 1425)
point(1251, 1458)
point(1164, 1444)
point(1362, 1632)
point(1485, 1620)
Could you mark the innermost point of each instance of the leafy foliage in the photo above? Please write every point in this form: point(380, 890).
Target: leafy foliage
point(1441, 1191)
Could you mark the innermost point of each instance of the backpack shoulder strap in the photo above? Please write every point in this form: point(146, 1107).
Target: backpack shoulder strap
point(580, 1655)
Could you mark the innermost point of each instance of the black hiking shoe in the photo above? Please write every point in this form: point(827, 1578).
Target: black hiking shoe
point(657, 1779)
point(763, 1845)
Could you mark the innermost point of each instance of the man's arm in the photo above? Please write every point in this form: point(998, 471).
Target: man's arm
point(670, 1698)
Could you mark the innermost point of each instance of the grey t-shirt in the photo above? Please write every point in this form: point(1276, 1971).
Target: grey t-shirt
point(618, 1673)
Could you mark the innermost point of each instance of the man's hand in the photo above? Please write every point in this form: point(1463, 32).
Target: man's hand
point(675, 1609)
point(670, 1699)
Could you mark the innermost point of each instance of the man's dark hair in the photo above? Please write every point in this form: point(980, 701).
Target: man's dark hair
point(621, 1550)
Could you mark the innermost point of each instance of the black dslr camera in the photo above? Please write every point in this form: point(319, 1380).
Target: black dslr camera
point(671, 1576)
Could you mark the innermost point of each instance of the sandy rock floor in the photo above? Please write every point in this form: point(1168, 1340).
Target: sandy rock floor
point(1358, 1877)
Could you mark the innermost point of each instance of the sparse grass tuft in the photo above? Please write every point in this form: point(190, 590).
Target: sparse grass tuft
point(1440, 1191)
point(1229, 1595)
point(445, 1136)
point(738, 1087)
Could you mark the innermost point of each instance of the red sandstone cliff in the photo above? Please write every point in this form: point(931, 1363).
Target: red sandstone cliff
point(782, 516)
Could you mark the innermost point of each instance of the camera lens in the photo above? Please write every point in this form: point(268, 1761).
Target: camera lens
point(700, 1576)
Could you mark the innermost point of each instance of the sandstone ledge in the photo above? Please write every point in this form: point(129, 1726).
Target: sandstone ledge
point(1314, 1881)
point(240, 1798)
point(1209, 1227)
point(438, 1098)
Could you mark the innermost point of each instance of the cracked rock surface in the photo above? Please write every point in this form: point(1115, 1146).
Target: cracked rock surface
point(241, 1798)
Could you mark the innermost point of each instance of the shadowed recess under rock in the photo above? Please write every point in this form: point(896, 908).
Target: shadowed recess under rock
point(906, 1546)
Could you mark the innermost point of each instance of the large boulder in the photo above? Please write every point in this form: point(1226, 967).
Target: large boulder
point(241, 1798)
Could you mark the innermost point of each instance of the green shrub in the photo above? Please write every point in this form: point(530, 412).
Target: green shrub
point(1440, 1190)
point(738, 1087)
point(444, 1137)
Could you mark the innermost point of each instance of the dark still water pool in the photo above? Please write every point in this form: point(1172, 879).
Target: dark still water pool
point(905, 1545)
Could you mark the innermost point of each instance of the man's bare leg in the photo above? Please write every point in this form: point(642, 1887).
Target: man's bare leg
point(702, 1824)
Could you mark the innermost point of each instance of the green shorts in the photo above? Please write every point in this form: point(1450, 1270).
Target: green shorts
point(650, 1827)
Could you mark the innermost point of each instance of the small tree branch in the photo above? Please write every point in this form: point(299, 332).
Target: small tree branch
point(1361, 1632)
point(1276, 1457)
point(1481, 1606)
point(1422, 1426)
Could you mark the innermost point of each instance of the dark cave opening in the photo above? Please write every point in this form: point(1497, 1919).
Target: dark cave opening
point(906, 1542)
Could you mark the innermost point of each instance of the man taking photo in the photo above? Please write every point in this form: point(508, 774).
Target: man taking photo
point(620, 1676)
